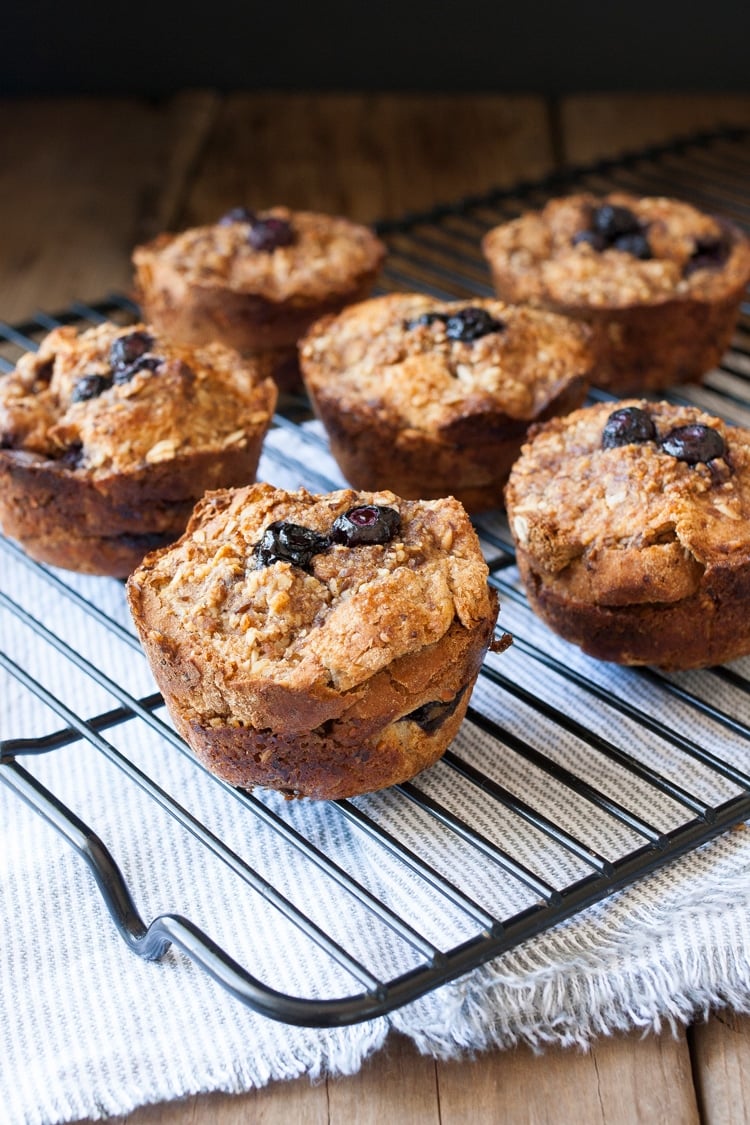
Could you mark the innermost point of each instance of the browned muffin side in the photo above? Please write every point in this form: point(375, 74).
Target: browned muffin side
point(256, 281)
point(431, 398)
point(632, 529)
point(320, 645)
point(658, 282)
point(108, 438)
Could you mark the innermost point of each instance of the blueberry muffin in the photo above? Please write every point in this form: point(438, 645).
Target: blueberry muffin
point(658, 282)
point(108, 439)
point(431, 398)
point(256, 281)
point(321, 645)
point(632, 530)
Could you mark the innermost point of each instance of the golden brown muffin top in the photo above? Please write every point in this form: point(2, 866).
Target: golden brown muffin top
point(570, 252)
point(432, 362)
point(327, 620)
point(634, 522)
point(318, 255)
point(91, 403)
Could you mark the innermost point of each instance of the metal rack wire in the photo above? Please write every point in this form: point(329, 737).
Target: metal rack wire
point(649, 766)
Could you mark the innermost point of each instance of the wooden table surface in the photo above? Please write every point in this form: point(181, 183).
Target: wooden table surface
point(81, 181)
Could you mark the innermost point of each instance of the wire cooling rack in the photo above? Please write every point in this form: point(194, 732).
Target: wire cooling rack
point(569, 779)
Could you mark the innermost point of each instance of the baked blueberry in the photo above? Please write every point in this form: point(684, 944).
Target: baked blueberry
point(268, 234)
point(628, 425)
point(694, 443)
point(126, 349)
point(237, 215)
point(615, 227)
point(709, 254)
point(72, 455)
point(89, 386)
point(143, 363)
point(431, 716)
point(465, 325)
point(634, 243)
point(369, 523)
point(611, 221)
point(470, 323)
point(289, 542)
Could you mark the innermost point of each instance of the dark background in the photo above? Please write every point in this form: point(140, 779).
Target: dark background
point(138, 48)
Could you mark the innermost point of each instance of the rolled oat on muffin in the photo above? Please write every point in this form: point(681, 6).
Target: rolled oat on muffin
point(632, 531)
point(658, 282)
point(108, 439)
point(431, 398)
point(256, 281)
point(321, 645)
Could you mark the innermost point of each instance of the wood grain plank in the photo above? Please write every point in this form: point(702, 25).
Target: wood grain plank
point(721, 1068)
point(395, 1085)
point(81, 181)
point(595, 125)
point(365, 156)
point(279, 1103)
point(620, 1081)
